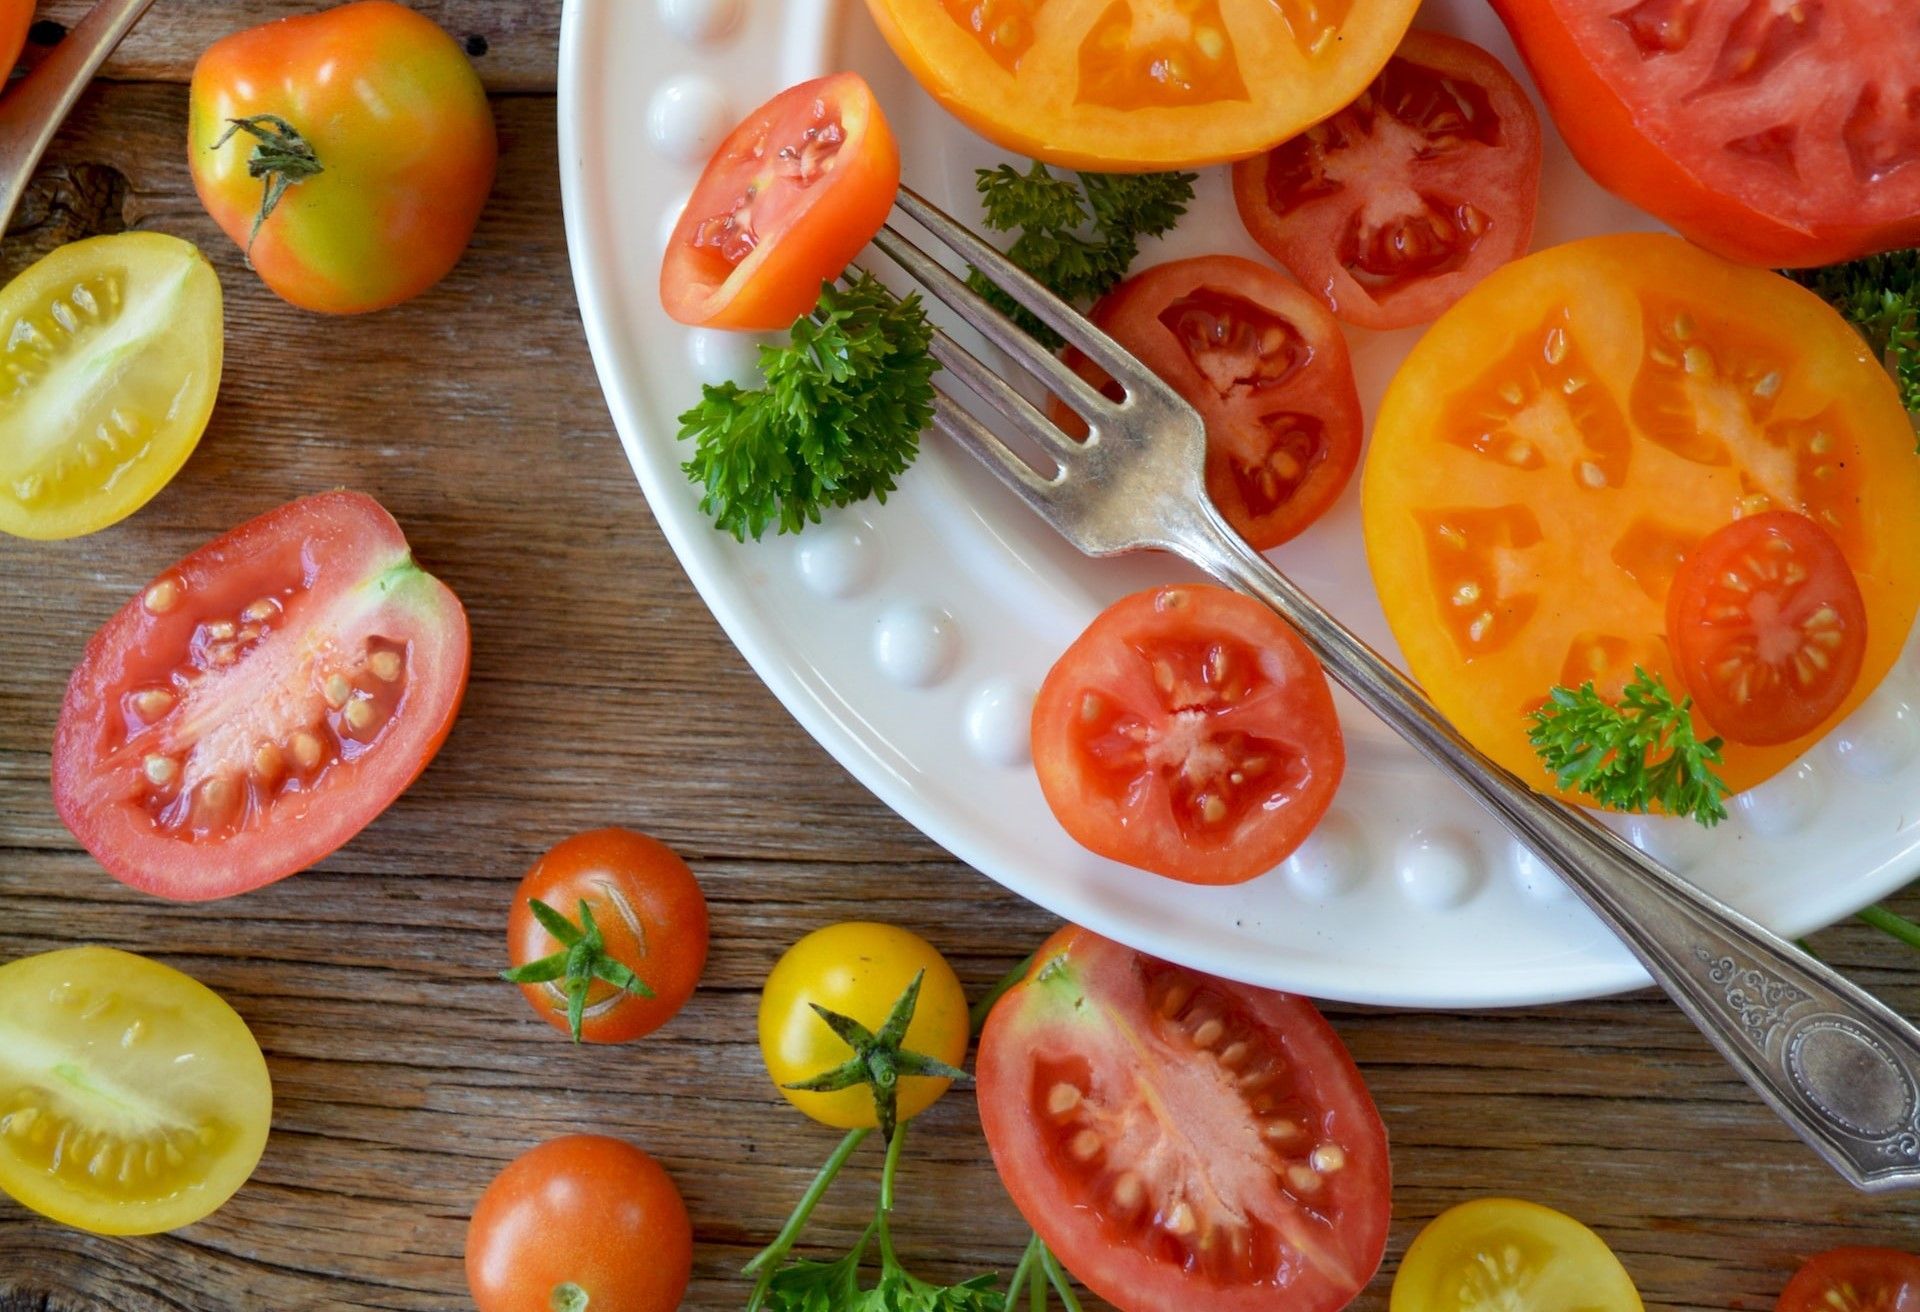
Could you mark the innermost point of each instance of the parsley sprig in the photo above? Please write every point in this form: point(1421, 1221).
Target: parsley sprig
point(1079, 239)
point(1880, 296)
point(837, 418)
point(1635, 755)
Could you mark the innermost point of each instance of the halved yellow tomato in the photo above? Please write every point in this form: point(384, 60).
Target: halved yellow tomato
point(112, 351)
point(132, 1098)
point(1142, 84)
point(1495, 1254)
point(1572, 430)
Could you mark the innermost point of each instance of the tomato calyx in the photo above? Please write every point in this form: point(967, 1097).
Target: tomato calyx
point(583, 958)
point(280, 155)
point(879, 1059)
point(568, 1297)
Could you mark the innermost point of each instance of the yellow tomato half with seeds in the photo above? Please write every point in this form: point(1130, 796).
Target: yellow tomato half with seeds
point(1496, 1254)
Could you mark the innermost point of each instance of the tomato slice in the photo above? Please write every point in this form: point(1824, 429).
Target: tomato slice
point(1495, 1254)
point(784, 205)
point(132, 1098)
point(1768, 627)
point(1182, 1141)
point(1391, 209)
point(1188, 732)
point(1144, 84)
point(1854, 1280)
point(1268, 370)
point(260, 703)
point(1771, 132)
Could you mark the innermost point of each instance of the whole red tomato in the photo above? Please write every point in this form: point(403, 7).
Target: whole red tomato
point(580, 1222)
point(375, 145)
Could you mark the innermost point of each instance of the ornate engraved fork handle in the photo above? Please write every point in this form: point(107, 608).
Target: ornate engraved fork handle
point(1838, 1065)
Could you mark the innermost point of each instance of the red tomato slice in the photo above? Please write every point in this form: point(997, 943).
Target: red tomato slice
point(1188, 732)
point(1771, 132)
point(1855, 1280)
point(1768, 627)
point(260, 703)
point(1266, 367)
point(784, 205)
point(1180, 1141)
point(1391, 209)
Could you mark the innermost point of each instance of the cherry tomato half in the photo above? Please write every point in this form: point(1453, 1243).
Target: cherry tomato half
point(1855, 1280)
point(784, 205)
point(1505, 1253)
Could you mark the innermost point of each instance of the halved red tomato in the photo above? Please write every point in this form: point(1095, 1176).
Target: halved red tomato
point(1777, 132)
point(1188, 732)
point(1181, 1141)
point(1768, 627)
point(784, 205)
point(260, 703)
point(1855, 1280)
point(1391, 209)
point(1266, 367)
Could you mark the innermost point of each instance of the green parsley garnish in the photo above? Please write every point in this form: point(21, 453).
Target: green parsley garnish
point(1078, 240)
point(1636, 755)
point(1880, 296)
point(836, 420)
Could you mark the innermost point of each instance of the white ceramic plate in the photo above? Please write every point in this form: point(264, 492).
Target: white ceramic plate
point(908, 638)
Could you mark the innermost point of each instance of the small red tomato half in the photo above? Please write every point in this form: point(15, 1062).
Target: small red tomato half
point(784, 205)
point(1768, 627)
point(651, 921)
point(1188, 732)
point(582, 1222)
point(348, 152)
point(1855, 1280)
point(1266, 367)
point(1397, 205)
point(1181, 1141)
point(260, 703)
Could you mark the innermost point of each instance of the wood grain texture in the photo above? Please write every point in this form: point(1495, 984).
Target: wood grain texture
point(604, 693)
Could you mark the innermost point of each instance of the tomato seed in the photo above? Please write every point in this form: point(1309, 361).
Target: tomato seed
point(259, 612)
point(1303, 1179)
point(1128, 1193)
point(153, 703)
point(1178, 994)
point(221, 630)
point(1209, 1032)
point(1234, 1055)
point(1062, 1098)
point(161, 770)
point(306, 750)
point(336, 690)
point(162, 597)
point(1281, 1131)
point(359, 714)
point(385, 665)
point(1180, 1220)
point(1328, 1158)
point(1084, 1146)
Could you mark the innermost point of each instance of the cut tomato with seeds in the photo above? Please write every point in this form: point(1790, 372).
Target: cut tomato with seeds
point(1768, 627)
point(1266, 367)
point(1855, 1280)
point(1182, 1141)
point(1391, 209)
point(1188, 732)
point(1497, 1254)
point(260, 703)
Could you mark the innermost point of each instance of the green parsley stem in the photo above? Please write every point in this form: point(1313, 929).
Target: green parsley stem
point(789, 1234)
point(1058, 1276)
point(981, 1009)
point(1037, 1287)
point(1888, 923)
point(1028, 1260)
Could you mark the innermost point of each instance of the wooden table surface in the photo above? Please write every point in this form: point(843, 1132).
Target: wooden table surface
point(603, 693)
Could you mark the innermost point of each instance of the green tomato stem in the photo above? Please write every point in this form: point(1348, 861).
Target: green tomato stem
point(882, 1230)
point(1057, 1274)
point(981, 1009)
point(771, 1255)
point(1888, 923)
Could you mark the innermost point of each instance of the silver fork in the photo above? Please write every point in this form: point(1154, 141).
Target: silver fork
point(1838, 1065)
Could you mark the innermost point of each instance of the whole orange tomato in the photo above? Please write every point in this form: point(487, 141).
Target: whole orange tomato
point(348, 152)
point(16, 16)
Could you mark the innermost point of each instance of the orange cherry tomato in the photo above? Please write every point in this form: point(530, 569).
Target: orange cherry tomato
point(16, 16)
point(1854, 1280)
point(784, 205)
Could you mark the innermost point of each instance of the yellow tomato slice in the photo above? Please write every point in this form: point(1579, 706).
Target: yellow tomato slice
point(1501, 1254)
point(1142, 84)
point(112, 358)
point(1564, 436)
point(132, 1099)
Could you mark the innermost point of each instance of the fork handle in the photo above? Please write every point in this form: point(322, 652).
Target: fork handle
point(1838, 1065)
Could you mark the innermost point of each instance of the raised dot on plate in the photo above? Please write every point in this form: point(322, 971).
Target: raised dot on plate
point(700, 21)
point(915, 645)
point(1438, 869)
point(724, 357)
point(1534, 879)
point(1331, 862)
point(1879, 738)
point(687, 117)
point(1677, 844)
point(998, 719)
point(838, 559)
point(1784, 804)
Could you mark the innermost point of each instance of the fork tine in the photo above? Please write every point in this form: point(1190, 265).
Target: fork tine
point(971, 370)
point(954, 422)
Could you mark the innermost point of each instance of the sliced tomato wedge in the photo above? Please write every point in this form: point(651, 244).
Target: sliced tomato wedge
point(1391, 209)
point(1188, 732)
point(258, 704)
point(1266, 367)
point(1855, 1280)
point(1180, 1141)
point(784, 205)
point(1768, 627)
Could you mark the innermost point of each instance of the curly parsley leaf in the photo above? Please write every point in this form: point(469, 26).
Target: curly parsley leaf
point(837, 418)
point(1078, 239)
point(1880, 296)
point(1634, 755)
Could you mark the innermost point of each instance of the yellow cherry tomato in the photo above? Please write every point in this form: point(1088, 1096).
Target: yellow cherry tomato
point(858, 969)
point(1494, 1254)
point(132, 1099)
point(112, 349)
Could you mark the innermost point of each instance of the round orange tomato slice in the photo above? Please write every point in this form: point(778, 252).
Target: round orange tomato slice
point(1127, 85)
point(1568, 434)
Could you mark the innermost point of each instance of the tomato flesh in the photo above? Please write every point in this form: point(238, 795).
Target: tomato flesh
point(1855, 1280)
point(1182, 1141)
point(1391, 209)
point(259, 703)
